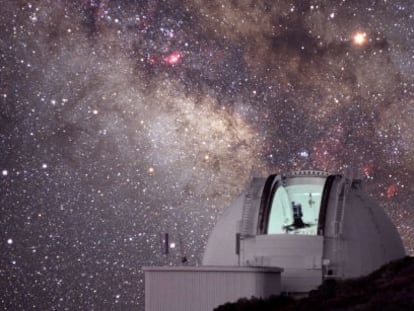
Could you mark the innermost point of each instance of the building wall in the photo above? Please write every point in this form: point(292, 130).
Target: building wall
point(299, 255)
point(204, 288)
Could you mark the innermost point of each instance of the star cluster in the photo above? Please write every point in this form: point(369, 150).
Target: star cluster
point(124, 120)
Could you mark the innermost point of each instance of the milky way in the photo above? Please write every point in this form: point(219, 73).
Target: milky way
point(123, 120)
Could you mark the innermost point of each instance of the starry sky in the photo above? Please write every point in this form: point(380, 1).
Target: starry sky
point(122, 120)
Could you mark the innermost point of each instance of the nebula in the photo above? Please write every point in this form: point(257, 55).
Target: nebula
point(124, 120)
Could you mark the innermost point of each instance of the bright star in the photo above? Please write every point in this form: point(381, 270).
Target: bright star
point(359, 38)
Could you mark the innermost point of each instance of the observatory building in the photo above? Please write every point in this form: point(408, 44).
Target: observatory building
point(285, 233)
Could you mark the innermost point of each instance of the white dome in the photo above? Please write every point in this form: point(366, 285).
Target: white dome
point(311, 224)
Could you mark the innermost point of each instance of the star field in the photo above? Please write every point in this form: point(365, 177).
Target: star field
point(123, 120)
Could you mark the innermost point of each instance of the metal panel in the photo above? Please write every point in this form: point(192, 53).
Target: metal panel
point(204, 288)
point(293, 251)
point(251, 207)
point(371, 240)
point(221, 246)
point(299, 255)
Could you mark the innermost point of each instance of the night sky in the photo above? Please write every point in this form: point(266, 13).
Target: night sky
point(121, 120)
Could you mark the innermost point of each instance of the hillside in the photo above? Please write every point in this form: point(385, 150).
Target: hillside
point(389, 288)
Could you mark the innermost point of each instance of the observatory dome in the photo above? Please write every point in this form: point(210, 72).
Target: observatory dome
point(312, 224)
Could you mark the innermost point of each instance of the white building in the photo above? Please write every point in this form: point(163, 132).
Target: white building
point(310, 224)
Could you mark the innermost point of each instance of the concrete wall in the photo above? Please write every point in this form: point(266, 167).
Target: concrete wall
point(204, 288)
